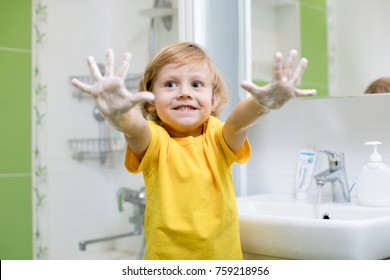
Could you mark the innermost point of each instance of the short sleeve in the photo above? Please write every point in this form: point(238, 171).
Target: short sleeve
point(243, 155)
point(133, 164)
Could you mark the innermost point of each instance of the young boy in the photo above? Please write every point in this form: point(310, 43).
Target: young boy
point(184, 151)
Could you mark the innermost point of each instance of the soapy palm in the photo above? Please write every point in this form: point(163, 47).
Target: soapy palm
point(283, 87)
point(109, 91)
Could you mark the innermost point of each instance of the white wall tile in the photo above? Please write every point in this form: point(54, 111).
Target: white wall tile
point(82, 195)
point(340, 124)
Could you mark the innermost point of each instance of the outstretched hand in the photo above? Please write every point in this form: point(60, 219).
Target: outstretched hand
point(109, 91)
point(282, 88)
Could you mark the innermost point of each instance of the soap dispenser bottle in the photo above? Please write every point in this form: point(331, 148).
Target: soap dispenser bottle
point(373, 183)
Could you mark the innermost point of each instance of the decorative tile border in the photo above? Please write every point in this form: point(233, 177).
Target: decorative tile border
point(39, 102)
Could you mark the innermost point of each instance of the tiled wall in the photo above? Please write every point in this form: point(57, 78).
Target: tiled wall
point(340, 124)
point(15, 123)
point(82, 199)
point(314, 45)
point(79, 197)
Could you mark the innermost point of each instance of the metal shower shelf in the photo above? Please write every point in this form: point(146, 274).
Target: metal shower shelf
point(96, 148)
point(131, 83)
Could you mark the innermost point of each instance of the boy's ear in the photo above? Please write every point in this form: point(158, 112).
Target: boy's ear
point(214, 103)
point(149, 107)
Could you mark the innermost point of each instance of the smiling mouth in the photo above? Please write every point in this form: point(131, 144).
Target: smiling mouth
point(184, 108)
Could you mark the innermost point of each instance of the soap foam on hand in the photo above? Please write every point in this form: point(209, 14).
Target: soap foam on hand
point(306, 162)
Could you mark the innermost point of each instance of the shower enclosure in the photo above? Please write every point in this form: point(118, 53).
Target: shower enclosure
point(80, 175)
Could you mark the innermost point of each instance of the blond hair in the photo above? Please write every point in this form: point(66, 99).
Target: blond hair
point(180, 54)
point(381, 85)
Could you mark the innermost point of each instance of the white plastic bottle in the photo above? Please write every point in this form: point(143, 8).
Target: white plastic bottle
point(373, 183)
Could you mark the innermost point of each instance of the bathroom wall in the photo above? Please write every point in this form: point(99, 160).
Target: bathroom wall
point(340, 124)
point(359, 60)
point(281, 25)
point(81, 196)
point(46, 212)
point(15, 121)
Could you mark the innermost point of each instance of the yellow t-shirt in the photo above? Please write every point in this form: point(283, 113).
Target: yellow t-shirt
point(191, 208)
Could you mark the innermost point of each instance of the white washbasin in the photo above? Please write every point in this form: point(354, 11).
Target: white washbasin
point(281, 227)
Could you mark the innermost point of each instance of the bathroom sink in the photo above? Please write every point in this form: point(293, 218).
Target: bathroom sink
point(278, 226)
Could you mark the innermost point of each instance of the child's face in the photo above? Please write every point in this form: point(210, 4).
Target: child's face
point(183, 98)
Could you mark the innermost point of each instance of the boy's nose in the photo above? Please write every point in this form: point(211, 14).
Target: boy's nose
point(184, 93)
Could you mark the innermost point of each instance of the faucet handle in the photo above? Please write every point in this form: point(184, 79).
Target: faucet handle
point(336, 159)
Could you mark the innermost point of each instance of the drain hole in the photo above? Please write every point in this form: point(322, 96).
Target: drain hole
point(326, 216)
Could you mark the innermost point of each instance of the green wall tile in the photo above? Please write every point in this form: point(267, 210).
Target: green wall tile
point(15, 24)
point(15, 112)
point(16, 231)
point(314, 45)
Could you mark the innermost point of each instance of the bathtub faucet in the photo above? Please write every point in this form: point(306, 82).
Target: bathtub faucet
point(336, 176)
point(137, 198)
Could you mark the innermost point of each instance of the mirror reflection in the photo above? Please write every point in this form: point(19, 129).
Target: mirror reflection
point(345, 41)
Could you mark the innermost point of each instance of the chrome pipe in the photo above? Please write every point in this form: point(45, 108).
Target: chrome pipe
point(83, 244)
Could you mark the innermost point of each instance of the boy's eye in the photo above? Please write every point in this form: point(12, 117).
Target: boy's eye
point(197, 84)
point(171, 84)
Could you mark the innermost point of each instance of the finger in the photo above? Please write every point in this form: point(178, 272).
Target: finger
point(289, 68)
point(278, 71)
point(94, 69)
point(141, 97)
point(109, 63)
point(123, 69)
point(299, 71)
point(249, 86)
point(305, 92)
point(82, 86)
point(254, 89)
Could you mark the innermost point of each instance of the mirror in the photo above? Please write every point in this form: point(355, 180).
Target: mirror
point(345, 41)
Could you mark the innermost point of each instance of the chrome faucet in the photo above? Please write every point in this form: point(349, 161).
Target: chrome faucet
point(137, 198)
point(336, 176)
